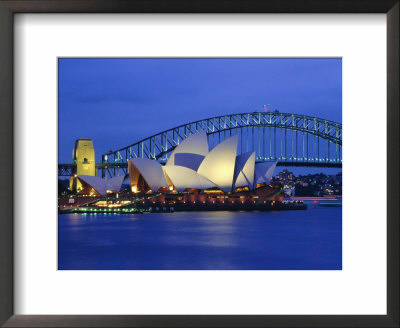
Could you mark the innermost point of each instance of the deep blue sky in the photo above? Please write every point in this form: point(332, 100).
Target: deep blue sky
point(117, 102)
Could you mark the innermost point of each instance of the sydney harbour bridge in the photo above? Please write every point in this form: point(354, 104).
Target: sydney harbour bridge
point(289, 139)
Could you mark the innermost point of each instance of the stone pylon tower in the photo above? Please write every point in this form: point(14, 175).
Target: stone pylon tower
point(83, 157)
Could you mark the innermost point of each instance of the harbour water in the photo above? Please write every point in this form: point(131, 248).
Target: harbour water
point(284, 240)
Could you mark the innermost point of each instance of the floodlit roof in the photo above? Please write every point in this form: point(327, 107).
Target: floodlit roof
point(244, 170)
point(196, 143)
point(183, 177)
point(151, 172)
point(102, 185)
point(219, 164)
point(189, 160)
point(192, 166)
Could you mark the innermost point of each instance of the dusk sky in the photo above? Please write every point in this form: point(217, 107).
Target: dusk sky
point(117, 102)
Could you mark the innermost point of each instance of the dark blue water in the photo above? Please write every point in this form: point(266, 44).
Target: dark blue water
point(287, 240)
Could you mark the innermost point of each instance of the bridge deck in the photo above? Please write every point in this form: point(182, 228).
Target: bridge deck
point(70, 169)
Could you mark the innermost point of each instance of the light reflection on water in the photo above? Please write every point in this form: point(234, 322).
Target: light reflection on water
point(309, 239)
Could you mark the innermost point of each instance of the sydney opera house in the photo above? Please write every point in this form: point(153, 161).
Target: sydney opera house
point(191, 167)
point(193, 178)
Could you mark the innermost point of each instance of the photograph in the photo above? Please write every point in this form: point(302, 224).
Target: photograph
point(199, 153)
point(192, 163)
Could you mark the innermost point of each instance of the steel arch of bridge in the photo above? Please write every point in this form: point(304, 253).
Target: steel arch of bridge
point(286, 138)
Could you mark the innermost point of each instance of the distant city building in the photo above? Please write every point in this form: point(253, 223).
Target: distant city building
point(285, 175)
point(83, 157)
point(289, 191)
point(315, 185)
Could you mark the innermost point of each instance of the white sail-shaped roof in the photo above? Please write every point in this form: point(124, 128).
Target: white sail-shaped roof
point(183, 177)
point(196, 143)
point(102, 185)
point(244, 170)
point(134, 174)
point(151, 172)
point(95, 182)
point(264, 172)
point(189, 160)
point(115, 183)
point(219, 164)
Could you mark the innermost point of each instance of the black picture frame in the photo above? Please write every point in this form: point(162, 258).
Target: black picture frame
point(10, 7)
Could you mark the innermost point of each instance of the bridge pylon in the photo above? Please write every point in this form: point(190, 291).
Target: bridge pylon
point(85, 164)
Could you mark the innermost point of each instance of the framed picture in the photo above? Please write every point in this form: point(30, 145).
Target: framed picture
point(199, 163)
